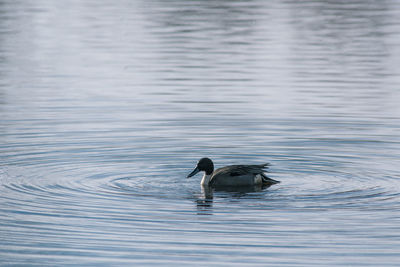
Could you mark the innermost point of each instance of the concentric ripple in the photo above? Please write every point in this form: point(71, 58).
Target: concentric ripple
point(315, 188)
point(110, 212)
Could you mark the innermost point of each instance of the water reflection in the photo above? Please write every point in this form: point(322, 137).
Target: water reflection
point(205, 201)
point(204, 206)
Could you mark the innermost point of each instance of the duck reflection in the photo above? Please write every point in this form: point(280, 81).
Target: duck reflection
point(204, 202)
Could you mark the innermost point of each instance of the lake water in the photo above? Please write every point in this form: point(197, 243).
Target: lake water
point(105, 107)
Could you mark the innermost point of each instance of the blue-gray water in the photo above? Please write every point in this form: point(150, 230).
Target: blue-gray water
point(105, 107)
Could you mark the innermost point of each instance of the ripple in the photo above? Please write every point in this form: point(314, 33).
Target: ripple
point(316, 188)
point(75, 208)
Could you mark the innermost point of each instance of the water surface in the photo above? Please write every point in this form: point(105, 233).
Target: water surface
point(106, 107)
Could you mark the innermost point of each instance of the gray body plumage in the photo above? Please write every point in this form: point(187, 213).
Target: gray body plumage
point(240, 175)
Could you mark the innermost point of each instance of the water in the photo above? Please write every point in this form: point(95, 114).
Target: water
point(106, 107)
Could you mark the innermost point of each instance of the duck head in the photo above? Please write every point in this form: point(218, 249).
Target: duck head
point(205, 164)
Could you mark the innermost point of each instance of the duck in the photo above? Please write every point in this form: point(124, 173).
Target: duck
point(233, 175)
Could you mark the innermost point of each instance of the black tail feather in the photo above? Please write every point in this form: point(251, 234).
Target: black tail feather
point(268, 181)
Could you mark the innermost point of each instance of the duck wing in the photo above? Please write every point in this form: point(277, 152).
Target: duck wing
point(239, 170)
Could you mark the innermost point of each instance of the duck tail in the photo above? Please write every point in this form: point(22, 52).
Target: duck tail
point(268, 181)
point(264, 166)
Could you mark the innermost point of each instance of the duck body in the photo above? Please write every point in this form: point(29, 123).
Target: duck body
point(233, 175)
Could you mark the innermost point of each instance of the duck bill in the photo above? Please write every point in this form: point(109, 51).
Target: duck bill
point(196, 170)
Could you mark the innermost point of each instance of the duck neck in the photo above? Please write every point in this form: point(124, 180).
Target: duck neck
point(206, 179)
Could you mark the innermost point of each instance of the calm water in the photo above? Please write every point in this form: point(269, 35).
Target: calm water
point(106, 107)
